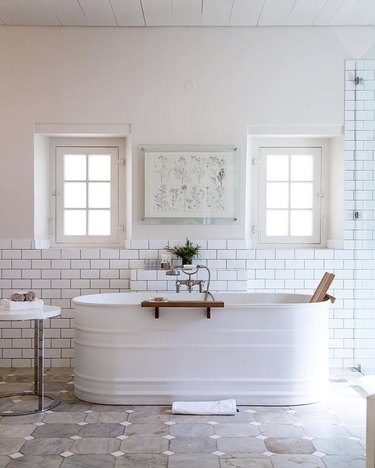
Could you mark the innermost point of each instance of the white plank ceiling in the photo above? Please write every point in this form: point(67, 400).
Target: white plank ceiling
point(187, 12)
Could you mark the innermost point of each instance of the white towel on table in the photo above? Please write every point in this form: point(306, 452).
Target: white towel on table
point(7, 304)
point(224, 407)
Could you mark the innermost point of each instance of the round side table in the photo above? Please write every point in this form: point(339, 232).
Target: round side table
point(38, 316)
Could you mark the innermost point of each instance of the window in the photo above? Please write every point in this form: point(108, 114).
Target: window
point(289, 195)
point(87, 195)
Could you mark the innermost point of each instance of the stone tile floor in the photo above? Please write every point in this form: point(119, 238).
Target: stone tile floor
point(329, 434)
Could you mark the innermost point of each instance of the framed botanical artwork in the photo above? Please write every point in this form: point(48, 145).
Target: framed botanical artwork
point(190, 183)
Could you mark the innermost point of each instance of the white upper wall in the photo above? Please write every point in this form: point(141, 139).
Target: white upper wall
point(370, 54)
point(243, 76)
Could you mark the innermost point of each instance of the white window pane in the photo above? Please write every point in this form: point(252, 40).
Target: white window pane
point(277, 223)
point(74, 167)
point(74, 222)
point(74, 195)
point(301, 195)
point(99, 223)
point(277, 195)
point(99, 195)
point(99, 167)
point(277, 167)
point(302, 167)
point(301, 223)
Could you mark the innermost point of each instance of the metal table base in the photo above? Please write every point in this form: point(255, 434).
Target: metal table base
point(38, 377)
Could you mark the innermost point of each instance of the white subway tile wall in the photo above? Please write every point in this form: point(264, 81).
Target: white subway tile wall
point(60, 275)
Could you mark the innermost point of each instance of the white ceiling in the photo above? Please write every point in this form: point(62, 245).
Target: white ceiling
point(187, 12)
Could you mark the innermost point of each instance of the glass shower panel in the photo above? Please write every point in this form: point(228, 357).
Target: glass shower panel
point(360, 195)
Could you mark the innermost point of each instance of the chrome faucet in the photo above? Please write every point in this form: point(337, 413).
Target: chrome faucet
point(176, 270)
point(189, 283)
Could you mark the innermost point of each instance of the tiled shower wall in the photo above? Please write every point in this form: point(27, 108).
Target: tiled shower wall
point(360, 198)
point(59, 275)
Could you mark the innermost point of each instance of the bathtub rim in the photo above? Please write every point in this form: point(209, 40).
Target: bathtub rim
point(83, 301)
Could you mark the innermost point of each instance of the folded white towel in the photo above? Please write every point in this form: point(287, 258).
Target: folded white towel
point(7, 304)
point(224, 407)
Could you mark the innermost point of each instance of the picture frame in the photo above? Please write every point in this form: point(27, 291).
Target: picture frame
point(190, 184)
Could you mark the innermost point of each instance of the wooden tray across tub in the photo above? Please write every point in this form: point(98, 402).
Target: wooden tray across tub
point(186, 304)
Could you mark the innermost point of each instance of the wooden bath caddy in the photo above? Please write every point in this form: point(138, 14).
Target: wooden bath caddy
point(186, 304)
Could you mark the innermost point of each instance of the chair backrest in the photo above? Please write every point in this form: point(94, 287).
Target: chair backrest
point(321, 291)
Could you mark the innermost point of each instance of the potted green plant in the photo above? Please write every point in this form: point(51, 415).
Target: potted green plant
point(186, 252)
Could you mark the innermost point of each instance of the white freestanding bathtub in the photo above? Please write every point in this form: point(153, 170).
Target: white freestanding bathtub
point(261, 349)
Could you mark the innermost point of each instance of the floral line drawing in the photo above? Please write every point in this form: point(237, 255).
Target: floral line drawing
point(189, 184)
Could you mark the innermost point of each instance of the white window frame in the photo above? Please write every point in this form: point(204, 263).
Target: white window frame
point(317, 236)
point(116, 148)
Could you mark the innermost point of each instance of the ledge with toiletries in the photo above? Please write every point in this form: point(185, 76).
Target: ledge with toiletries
point(167, 272)
point(183, 264)
point(162, 263)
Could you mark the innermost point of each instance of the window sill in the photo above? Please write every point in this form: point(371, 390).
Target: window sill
point(47, 244)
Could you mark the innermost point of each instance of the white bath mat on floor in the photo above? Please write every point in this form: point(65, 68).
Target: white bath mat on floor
point(220, 407)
